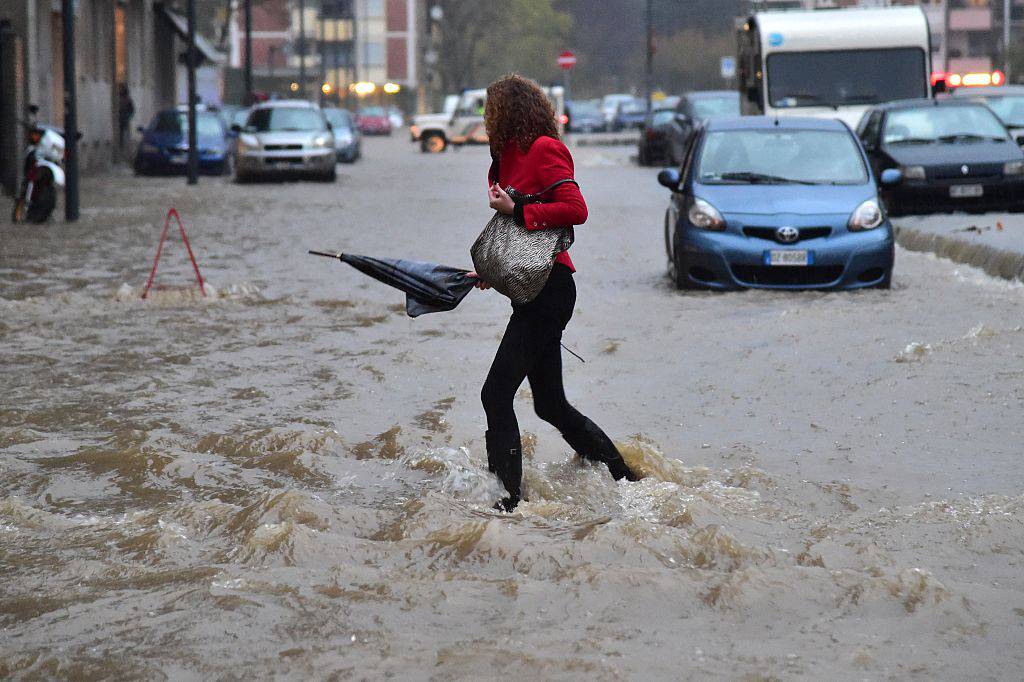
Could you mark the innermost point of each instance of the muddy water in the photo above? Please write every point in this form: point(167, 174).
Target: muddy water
point(286, 477)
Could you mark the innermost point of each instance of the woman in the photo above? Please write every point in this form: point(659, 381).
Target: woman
point(528, 156)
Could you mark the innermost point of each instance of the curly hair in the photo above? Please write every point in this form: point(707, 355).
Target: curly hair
point(517, 109)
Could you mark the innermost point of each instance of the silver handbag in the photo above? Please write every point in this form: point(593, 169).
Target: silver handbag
point(517, 261)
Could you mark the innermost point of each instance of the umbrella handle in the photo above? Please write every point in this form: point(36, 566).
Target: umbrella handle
point(328, 255)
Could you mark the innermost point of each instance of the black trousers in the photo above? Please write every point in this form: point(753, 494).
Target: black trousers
point(530, 349)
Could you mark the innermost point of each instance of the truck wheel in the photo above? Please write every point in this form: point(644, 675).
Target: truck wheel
point(433, 143)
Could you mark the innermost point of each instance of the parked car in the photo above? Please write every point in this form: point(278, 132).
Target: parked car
point(164, 144)
point(348, 142)
point(953, 155)
point(692, 110)
point(374, 121)
point(629, 114)
point(585, 116)
point(654, 138)
point(285, 138)
point(610, 104)
point(777, 203)
point(396, 117)
point(1007, 102)
point(436, 120)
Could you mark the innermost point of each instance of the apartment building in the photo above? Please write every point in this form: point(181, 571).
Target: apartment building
point(345, 41)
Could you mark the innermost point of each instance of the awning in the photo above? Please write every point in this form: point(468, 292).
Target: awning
point(203, 47)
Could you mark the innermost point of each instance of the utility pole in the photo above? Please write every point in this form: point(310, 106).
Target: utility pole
point(302, 49)
point(945, 35)
point(1007, 62)
point(70, 112)
point(322, 45)
point(190, 58)
point(248, 52)
point(649, 64)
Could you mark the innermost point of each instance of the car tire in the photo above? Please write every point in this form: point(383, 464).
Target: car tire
point(330, 176)
point(643, 158)
point(242, 178)
point(433, 143)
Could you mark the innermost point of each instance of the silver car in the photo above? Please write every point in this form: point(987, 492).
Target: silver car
point(285, 138)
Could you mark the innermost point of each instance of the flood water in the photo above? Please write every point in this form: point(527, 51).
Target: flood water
point(286, 477)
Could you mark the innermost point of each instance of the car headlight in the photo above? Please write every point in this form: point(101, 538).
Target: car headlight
point(1013, 168)
point(867, 216)
point(913, 172)
point(248, 143)
point(322, 141)
point(343, 139)
point(149, 149)
point(705, 216)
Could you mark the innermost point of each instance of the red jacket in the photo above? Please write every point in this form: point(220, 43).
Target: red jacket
point(546, 162)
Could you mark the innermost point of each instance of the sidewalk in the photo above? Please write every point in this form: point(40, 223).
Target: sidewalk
point(993, 242)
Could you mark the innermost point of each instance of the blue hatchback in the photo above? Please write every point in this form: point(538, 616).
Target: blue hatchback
point(164, 145)
point(781, 203)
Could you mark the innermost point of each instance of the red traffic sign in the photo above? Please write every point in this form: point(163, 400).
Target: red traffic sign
point(567, 60)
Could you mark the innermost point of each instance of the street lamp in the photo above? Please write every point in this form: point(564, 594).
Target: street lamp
point(392, 88)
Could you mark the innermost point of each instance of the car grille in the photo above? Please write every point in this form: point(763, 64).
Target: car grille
point(282, 147)
point(975, 171)
point(761, 275)
point(769, 232)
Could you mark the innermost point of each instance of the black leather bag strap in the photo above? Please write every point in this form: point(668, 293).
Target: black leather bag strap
point(535, 197)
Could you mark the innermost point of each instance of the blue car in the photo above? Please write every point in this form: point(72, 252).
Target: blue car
point(777, 203)
point(164, 145)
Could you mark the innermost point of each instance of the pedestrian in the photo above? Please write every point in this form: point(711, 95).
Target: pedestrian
point(125, 112)
point(528, 156)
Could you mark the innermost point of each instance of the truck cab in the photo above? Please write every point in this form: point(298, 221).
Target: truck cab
point(465, 125)
point(833, 63)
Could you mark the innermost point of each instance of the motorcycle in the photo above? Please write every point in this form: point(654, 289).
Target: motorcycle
point(42, 175)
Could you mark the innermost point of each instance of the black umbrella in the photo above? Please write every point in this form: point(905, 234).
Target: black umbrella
point(428, 287)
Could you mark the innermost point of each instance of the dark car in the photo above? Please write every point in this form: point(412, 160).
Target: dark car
point(374, 121)
point(654, 138)
point(629, 114)
point(585, 116)
point(164, 145)
point(693, 109)
point(783, 203)
point(1007, 102)
point(953, 155)
point(348, 141)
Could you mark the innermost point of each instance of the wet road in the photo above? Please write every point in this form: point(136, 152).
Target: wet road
point(287, 478)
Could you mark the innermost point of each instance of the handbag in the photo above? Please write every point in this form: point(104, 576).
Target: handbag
point(517, 261)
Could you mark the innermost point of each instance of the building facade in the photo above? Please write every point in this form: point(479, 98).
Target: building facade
point(344, 42)
point(118, 43)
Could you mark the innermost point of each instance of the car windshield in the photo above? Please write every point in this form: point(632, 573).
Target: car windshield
point(284, 119)
point(240, 117)
point(929, 124)
point(662, 117)
point(779, 157)
point(633, 106)
point(706, 107)
point(176, 122)
point(585, 109)
point(374, 111)
point(1009, 108)
point(835, 78)
point(339, 118)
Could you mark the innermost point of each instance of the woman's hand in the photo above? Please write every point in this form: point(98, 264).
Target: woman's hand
point(499, 200)
point(480, 284)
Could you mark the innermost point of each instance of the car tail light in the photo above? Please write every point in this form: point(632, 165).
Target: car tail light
point(564, 119)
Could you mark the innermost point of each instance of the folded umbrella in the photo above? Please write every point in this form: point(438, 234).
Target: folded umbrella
point(428, 287)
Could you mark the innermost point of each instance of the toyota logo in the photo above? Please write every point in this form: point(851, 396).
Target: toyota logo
point(787, 235)
point(965, 169)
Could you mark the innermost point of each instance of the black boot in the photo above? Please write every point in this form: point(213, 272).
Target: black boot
point(591, 443)
point(505, 458)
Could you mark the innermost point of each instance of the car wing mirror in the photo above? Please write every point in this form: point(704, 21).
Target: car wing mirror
point(1020, 140)
point(235, 128)
point(140, 129)
point(891, 177)
point(330, 127)
point(669, 177)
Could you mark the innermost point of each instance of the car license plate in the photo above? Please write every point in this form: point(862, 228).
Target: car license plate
point(798, 257)
point(179, 158)
point(966, 191)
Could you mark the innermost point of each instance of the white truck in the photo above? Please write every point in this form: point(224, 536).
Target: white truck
point(832, 63)
point(465, 125)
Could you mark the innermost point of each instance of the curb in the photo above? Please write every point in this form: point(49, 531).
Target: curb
point(604, 142)
point(996, 262)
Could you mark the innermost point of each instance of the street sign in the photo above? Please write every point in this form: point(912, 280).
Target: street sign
point(728, 67)
point(566, 60)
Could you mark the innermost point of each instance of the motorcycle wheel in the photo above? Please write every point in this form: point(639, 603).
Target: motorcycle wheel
point(44, 199)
